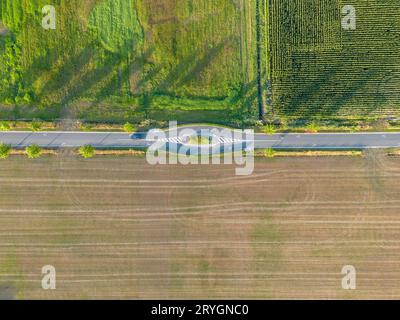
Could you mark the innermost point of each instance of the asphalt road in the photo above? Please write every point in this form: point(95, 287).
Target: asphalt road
point(277, 141)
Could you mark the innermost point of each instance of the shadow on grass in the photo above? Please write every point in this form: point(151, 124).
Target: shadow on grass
point(84, 75)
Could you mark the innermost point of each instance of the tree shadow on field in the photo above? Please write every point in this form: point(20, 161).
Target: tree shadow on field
point(59, 79)
point(187, 70)
point(351, 92)
point(203, 63)
point(72, 81)
point(67, 71)
point(175, 74)
point(90, 79)
point(165, 85)
point(246, 100)
point(346, 93)
point(299, 102)
point(326, 91)
point(129, 69)
point(83, 72)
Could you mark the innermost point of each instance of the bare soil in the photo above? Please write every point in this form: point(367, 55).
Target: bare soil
point(115, 227)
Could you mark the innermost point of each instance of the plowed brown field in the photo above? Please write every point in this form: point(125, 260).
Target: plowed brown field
point(119, 228)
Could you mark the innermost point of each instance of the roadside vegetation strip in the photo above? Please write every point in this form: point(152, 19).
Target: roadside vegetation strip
point(283, 125)
point(87, 151)
point(5, 151)
point(259, 153)
point(395, 152)
point(120, 152)
point(348, 125)
point(272, 153)
point(262, 55)
point(33, 151)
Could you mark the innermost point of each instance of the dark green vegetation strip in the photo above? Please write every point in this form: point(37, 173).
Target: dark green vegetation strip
point(263, 59)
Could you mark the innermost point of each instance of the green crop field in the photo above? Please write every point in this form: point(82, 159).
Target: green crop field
point(319, 69)
point(198, 60)
point(116, 60)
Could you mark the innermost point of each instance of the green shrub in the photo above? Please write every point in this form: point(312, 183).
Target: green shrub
point(5, 151)
point(5, 126)
point(33, 151)
point(269, 129)
point(129, 128)
point(269, 153)
point(86, 127)
point(87, 151)
point(312, 127)
point(36, 125)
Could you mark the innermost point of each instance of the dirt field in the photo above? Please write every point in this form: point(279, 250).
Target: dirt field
point(118, 228)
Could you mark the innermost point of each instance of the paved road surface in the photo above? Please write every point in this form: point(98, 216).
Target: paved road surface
point(277, 141)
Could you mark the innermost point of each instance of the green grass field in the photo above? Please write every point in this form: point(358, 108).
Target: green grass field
point(122, 60)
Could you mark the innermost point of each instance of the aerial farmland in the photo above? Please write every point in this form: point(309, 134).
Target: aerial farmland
point(321, 69)
point(199, 60)
point(199, 149)
point(281, 236)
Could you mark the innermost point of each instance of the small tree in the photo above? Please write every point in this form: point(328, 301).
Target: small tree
point(312, 127)
point(86, 127)
point(33, 151)
point(5, 151)
point(87, 151)
point(36, 126)
point(269, 153)
point(128, 127)
point(5, 126)
point(269, 129)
